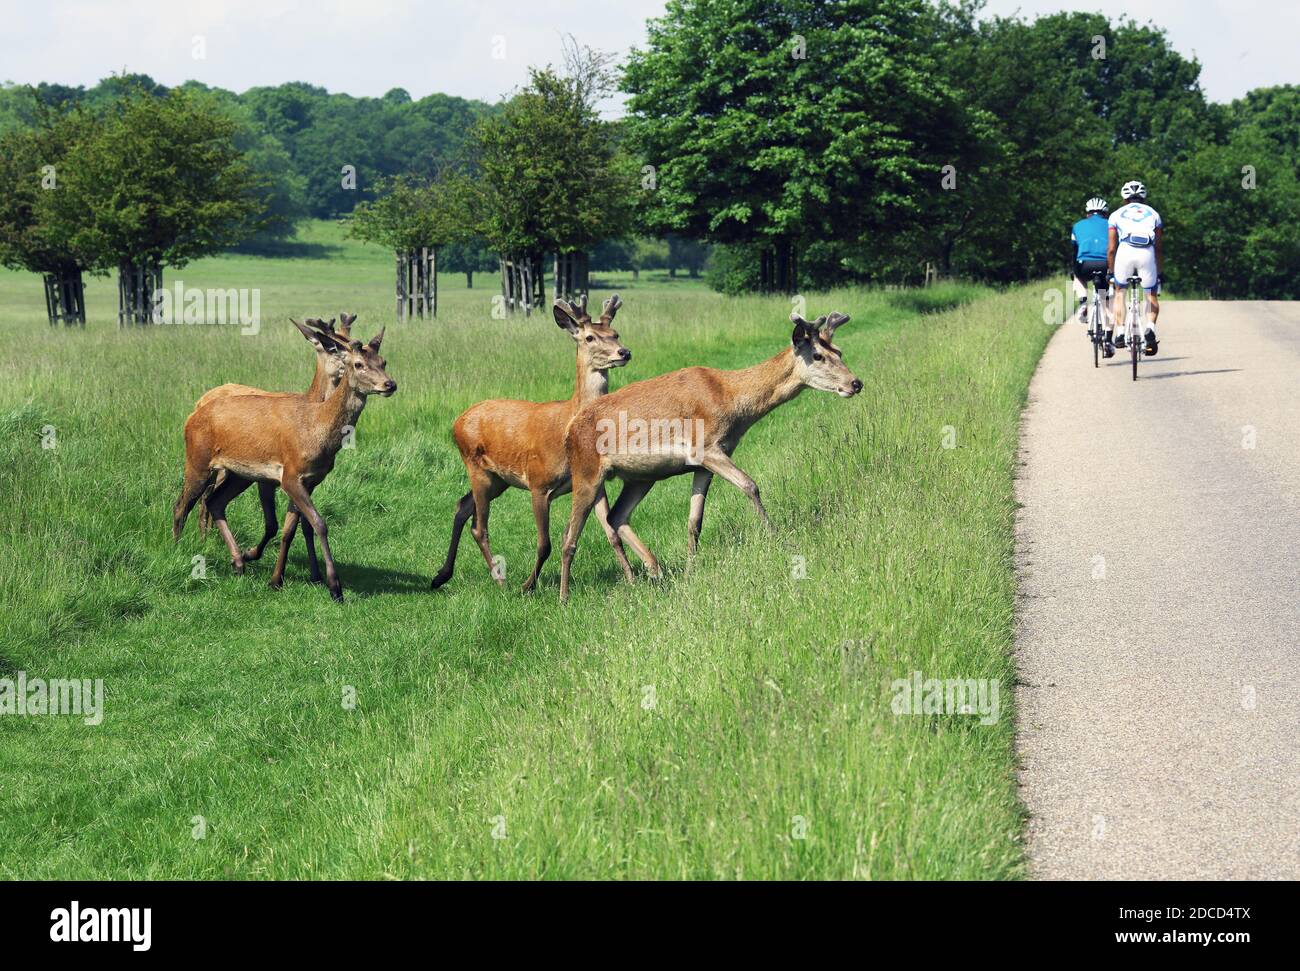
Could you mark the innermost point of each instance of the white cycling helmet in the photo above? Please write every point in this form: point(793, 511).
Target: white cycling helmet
point(1133, 190)
point(1096, 204)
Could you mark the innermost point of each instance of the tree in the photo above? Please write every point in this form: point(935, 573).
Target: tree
point(550, 177)
point(1231, 214)
point(158, 183)
point(32, 161)
point(468, 256)
point(413, 218)
point(774, 123)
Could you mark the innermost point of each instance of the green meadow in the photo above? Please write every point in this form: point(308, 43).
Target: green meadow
point(733, 723)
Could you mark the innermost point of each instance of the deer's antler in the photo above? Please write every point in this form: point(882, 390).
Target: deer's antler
point(609, 308)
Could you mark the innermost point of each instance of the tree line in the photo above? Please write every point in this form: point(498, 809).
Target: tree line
point(821, 143)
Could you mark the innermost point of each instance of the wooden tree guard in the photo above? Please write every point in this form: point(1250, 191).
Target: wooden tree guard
point(571, 275)
point(65, 298)
point(417, 283)
point(138, 284)
point(523, 283)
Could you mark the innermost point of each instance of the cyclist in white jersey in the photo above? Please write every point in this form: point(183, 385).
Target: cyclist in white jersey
point(1135, 249)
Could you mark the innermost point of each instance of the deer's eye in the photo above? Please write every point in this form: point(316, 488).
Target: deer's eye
point(358, 365)
point(817, 357)
point(590, 338)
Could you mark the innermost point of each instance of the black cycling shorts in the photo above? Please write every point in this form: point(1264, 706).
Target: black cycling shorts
point(1084, 269)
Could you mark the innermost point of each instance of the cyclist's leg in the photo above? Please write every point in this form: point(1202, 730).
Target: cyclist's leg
point(1080, 293)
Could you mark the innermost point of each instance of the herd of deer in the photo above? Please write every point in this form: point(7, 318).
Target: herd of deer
point(238, 435)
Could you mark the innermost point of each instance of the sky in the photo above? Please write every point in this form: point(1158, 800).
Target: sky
point(482, 48)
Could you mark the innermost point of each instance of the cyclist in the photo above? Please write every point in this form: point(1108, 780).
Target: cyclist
point(1089, 236)
point(1135, 248)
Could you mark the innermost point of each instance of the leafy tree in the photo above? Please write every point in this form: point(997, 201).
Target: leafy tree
point(468, 256)
point(32, 161)
point(158, 183)
point(781, 122)
point(550, 177)
point(1232, 231)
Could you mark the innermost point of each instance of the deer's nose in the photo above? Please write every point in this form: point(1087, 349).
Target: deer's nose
point(625, 354)
point(390, 385)
point(856, 386)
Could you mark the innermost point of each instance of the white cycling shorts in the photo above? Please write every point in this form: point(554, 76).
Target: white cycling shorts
point(1136, 261)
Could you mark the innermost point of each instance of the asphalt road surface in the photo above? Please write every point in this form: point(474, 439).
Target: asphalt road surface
point(1158, 630)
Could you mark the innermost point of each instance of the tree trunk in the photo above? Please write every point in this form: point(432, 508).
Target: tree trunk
point(139, 283)
point(469, 279)
point(65, 297)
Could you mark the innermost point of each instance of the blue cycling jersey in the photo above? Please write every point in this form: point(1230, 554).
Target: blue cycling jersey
point(1091, 238)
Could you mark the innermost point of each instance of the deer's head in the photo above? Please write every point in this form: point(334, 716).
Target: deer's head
point(326, 343)
point(598, 343)
point(365, 368)
point(818, 363)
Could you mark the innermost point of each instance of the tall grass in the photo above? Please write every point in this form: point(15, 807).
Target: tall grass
point(731, 723)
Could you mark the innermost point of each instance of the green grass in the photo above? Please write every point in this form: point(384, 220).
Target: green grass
point(770, 694)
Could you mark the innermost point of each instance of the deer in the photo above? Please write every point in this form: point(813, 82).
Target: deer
point(703, 413)
point(329, 370)
point(285, 440)
point(520, 444)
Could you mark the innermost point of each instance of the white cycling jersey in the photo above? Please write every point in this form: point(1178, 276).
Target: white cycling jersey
point(1136, 224)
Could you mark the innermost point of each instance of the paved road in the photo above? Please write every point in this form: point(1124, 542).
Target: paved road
point(1159, 710)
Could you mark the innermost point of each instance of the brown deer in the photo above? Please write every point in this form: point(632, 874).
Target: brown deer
point(286, 440)
point(689, 421)
point(506, 443)
point(329, 371)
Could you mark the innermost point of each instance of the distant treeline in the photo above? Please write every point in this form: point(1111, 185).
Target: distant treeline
point(298, 137)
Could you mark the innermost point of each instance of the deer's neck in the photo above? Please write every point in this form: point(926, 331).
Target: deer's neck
point(340, 409)
point(757, 390)
point(589, 385)
point(319, 387)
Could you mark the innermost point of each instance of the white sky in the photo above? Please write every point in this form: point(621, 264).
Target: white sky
point(366, 47)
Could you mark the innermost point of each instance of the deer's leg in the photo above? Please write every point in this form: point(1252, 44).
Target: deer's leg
point(205, 517)
point(700, 483)
point(266, 494)
point(286, 540)
point(464, 510)
point(542, 514)
point(197, 478)
point(485, 486)
point(300, 496)
point(720, 463)
point(584, 497)
point(309, 541)
point(631, 496)
point(601, 510)
point(221, 496)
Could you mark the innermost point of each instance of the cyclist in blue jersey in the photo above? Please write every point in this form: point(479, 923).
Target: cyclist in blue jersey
point(1136, 248)
point(1089, 236)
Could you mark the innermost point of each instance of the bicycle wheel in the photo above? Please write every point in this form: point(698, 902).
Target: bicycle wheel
point(1134, 351)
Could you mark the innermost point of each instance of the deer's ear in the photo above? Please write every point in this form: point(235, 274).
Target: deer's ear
point(308, 333)
point(803, 332)
point(566, 317)
point(378, 338)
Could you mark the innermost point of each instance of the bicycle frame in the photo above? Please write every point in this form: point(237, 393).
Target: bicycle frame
point(1134, 318)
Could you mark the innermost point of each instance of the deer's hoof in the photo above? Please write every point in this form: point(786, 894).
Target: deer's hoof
point(275, 584)
point(252, 553)
point(337, 595)
point(238, 567)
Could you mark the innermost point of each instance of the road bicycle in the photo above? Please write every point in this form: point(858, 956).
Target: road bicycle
point(1135, 316)
point(1097, 315)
